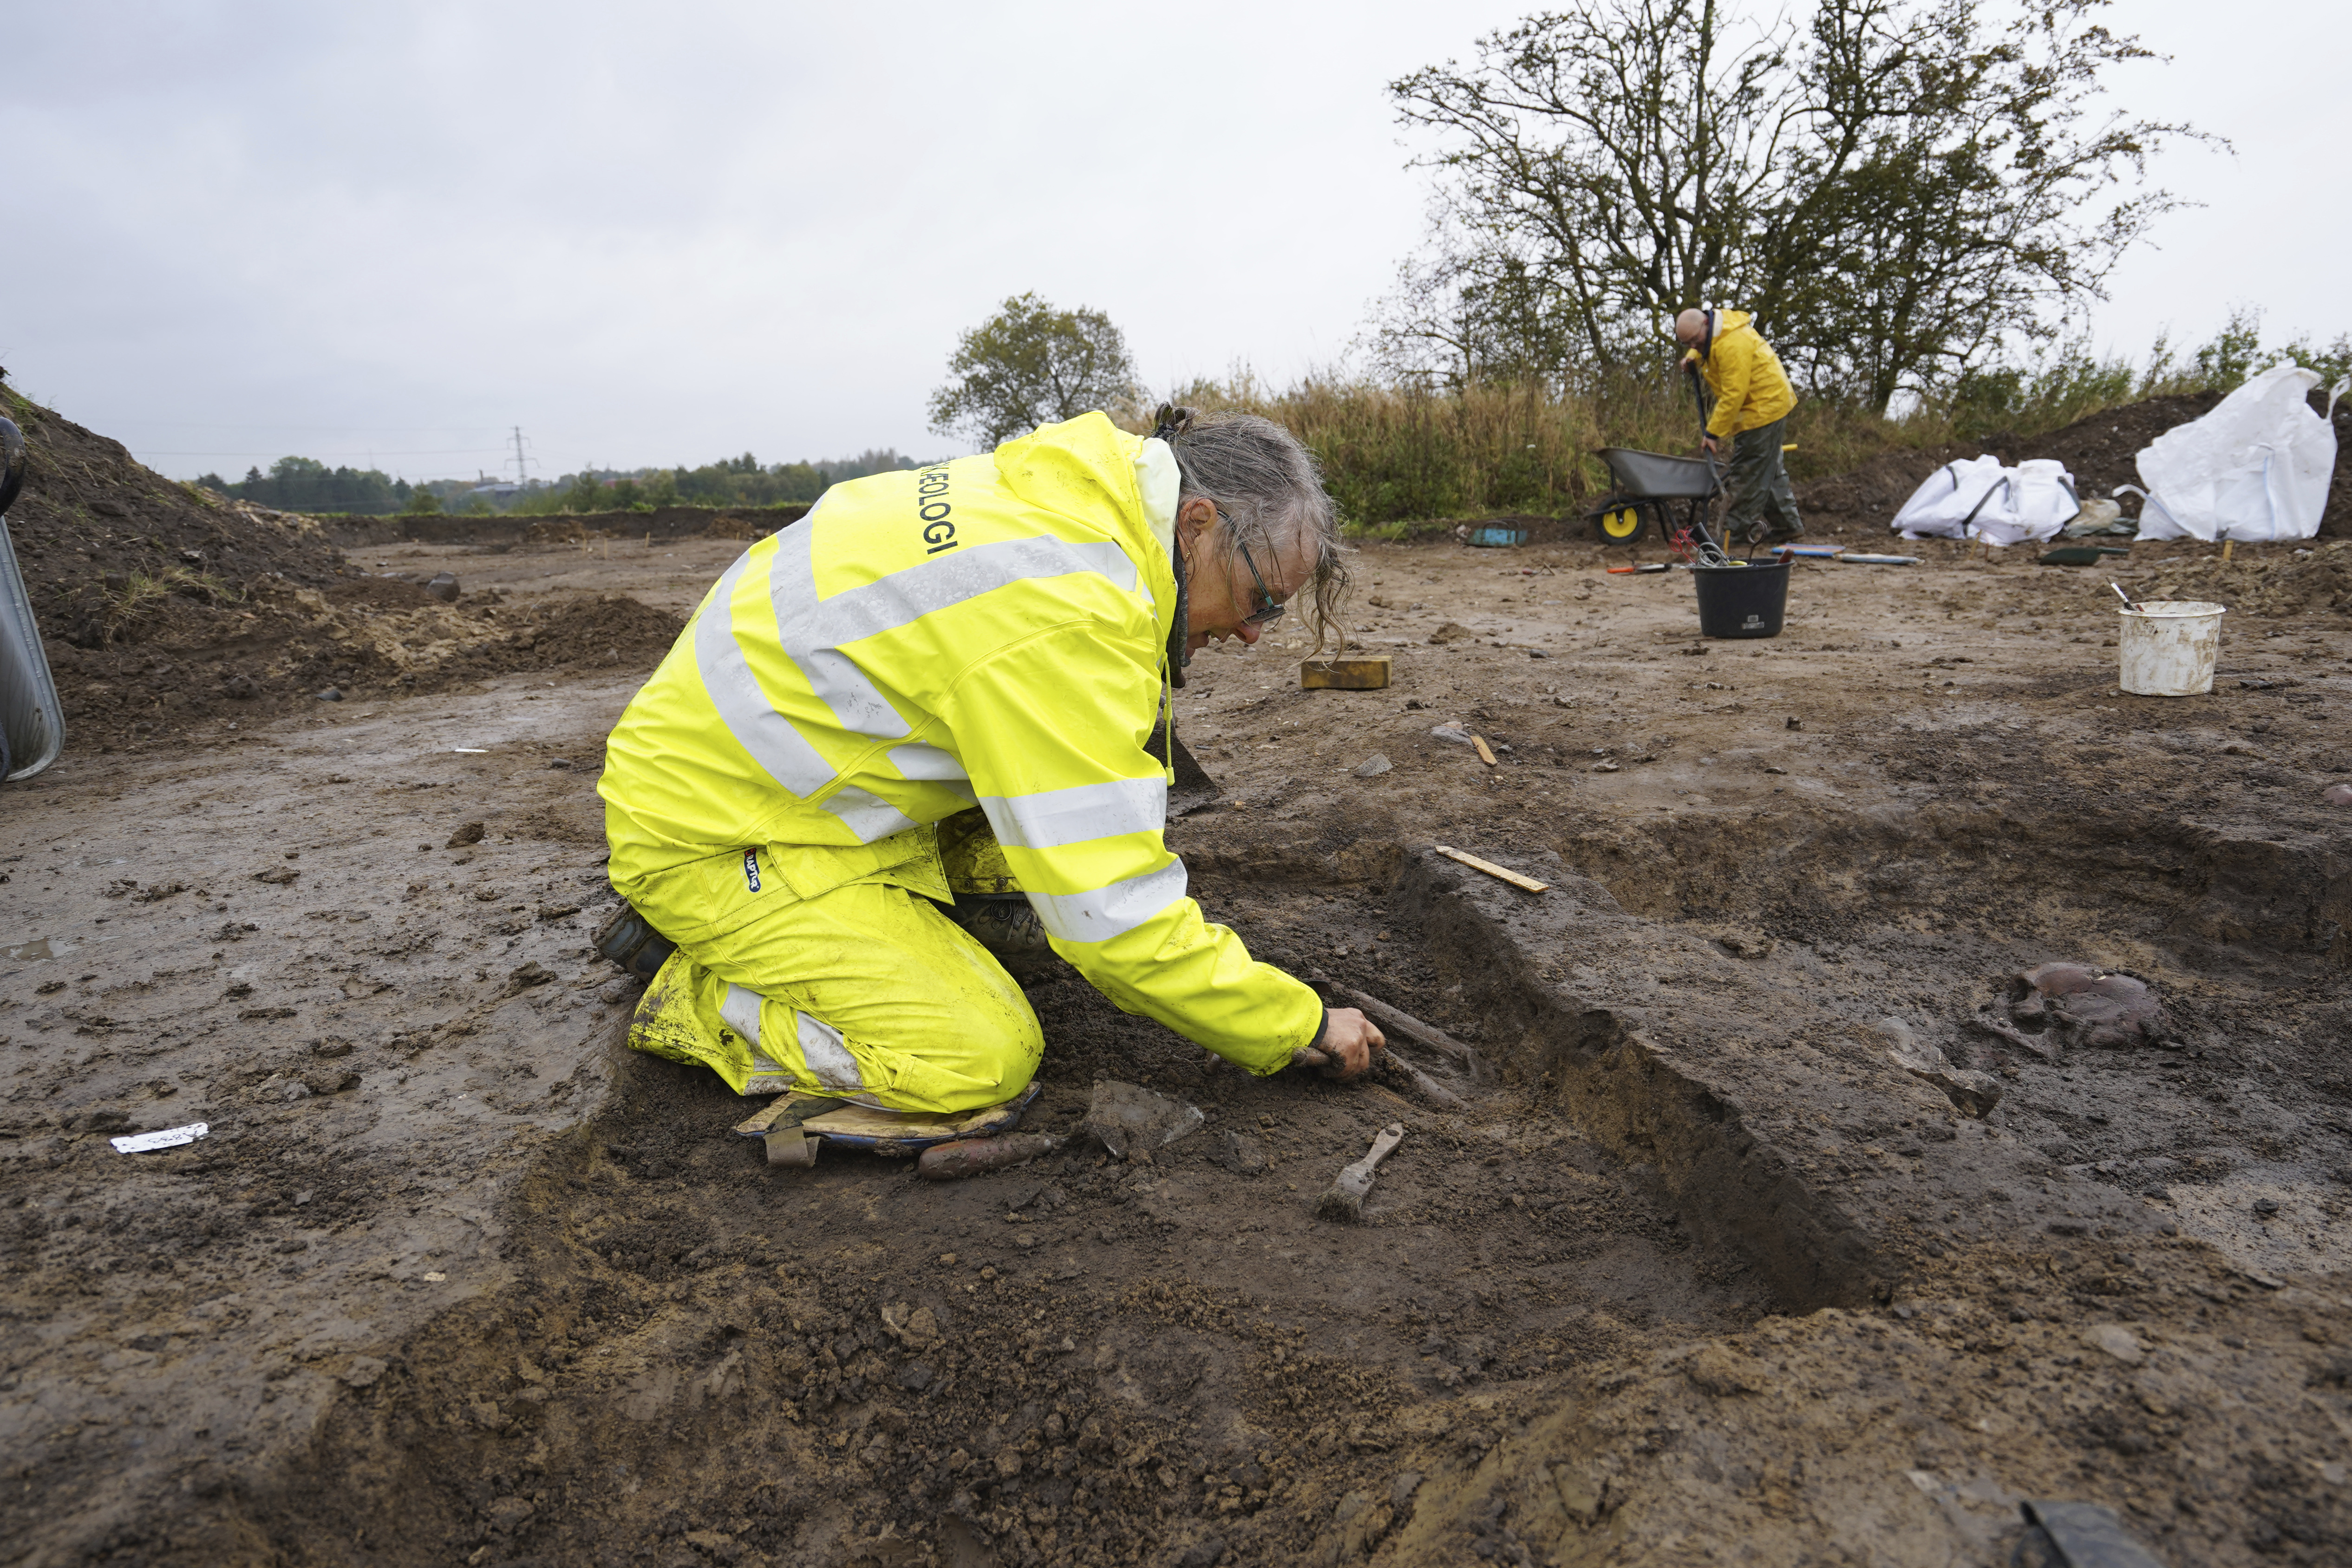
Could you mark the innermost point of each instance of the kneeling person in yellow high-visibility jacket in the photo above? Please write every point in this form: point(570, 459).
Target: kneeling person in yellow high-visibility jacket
point(997, 633)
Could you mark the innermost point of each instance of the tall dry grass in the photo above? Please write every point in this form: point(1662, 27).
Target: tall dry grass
point(1394, 454)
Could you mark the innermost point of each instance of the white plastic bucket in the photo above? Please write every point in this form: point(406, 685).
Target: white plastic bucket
point(2170, 648)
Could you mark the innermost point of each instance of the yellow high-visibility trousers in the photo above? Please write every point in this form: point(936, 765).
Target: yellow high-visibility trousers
point(866, 991)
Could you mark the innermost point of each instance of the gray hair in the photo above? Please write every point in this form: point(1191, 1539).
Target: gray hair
point(1269, 490)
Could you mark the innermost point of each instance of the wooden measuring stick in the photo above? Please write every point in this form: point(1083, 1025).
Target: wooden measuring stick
point(1485, 755)
point(1513, 878)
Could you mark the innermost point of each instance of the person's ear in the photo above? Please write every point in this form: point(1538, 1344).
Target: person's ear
point(1194, 519)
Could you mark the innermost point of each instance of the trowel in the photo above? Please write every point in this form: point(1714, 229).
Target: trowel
point(1193, 788)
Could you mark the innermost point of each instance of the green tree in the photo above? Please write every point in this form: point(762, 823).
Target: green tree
point(1900, 190)
point(1030, 365)
point(422, 502)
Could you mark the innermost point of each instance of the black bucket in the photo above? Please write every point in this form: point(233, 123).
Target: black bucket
point(1742, 601)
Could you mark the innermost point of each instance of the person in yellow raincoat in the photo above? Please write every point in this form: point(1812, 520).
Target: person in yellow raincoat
point(1752, 403)
point(972, 654)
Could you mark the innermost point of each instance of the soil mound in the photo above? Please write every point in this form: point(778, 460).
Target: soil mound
point(602, 629)
point(288, 646)
point(2266, 584)
point(163, 605)
point(113, 551)
point(437, 645)
point(2101, 452)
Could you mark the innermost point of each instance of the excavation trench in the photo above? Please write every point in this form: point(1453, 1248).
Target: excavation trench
point(1079, 1358)
point(1689, 1124)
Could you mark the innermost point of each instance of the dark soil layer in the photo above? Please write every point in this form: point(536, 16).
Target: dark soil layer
point(1076, 1361)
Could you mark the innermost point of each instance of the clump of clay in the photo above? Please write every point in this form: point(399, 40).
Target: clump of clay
point(2059, 1006)
point(1129, 1119)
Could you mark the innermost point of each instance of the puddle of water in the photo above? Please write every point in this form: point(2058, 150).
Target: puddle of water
point(34, 951)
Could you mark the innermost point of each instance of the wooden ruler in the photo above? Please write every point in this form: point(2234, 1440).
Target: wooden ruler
point(1513, 878)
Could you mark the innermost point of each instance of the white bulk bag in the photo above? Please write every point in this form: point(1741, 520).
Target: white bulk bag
point(2256, 468)
point(2041, 501)
point(1944, 506)
point(1980, 498)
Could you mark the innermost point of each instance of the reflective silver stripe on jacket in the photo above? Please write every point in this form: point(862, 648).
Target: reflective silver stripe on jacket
point(1110, 912)
point(740, 1010)
point(829, 1061)
point(814, 631)
point(810, 631)
point(1073, 815)
point(933, 764)
point(773, 743)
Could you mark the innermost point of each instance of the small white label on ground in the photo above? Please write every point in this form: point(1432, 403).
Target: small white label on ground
point(169, 1138)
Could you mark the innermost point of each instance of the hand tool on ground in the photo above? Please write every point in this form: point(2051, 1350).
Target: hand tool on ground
point(2079, 554)
point(1194, 790)
point(974, 1156)
point(1344, 1199)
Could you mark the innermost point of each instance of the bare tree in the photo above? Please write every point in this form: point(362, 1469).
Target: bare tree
point(1030, 365)
point(1896, 190)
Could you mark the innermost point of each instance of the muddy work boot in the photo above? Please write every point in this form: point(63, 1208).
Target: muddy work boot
point(633, 945)
point(989, 904)
point(1006, 926)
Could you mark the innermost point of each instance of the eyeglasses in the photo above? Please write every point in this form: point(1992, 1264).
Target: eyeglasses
point(1270, 609)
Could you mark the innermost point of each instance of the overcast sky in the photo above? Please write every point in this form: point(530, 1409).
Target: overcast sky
point(653, 234)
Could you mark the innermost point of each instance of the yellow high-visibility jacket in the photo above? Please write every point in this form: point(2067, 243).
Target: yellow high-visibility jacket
point(990, 630)
point(1750, 388)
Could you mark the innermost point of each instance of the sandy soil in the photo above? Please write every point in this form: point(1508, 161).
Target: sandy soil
point(1698, 1275)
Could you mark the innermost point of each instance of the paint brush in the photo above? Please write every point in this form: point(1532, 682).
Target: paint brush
point(2127, 598)
point(1344, 1199)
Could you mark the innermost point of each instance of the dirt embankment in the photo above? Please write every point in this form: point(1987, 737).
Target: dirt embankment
point(165, 606)
point(2101, 452)
point(668, 522)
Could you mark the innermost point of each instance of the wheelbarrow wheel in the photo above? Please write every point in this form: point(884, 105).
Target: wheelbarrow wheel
point(1620, 520)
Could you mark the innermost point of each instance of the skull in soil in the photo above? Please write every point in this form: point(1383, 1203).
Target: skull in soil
point(2076, 1005)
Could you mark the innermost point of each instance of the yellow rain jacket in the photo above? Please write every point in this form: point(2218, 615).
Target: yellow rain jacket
point(1750, 388)
point(992, 630)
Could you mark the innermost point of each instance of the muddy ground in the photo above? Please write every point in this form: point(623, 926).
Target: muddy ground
point(1698, 1275)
